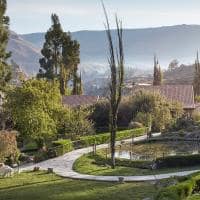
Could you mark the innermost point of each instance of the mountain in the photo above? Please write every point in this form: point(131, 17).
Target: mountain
point(24, 53)
point(180, 42)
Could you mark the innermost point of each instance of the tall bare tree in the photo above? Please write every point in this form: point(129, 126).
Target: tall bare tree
point(116, 63)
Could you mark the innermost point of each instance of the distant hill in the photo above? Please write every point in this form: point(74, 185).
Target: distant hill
point(180, 42)
point(24, 53)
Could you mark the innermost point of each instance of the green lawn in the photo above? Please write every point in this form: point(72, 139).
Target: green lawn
point(43, 186)
point(86, 165)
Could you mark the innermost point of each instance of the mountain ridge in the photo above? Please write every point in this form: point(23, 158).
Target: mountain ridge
point(168, 42)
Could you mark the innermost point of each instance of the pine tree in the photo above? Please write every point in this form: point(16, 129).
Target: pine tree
point(196, 81)
point(157, 76)
point(60, 57)
point(50, 63)
point(5, 70)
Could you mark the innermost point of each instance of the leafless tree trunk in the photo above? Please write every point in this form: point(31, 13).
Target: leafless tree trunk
point(116, 63)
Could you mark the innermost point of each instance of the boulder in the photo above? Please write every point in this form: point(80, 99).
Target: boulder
point(6, 171)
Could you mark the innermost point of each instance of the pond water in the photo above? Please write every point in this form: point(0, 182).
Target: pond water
point(155, 150)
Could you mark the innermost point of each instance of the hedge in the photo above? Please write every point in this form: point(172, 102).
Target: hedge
point(105, 137)
point(179, 191)
point(178, 161)
point(62, 146)
point(101, 160)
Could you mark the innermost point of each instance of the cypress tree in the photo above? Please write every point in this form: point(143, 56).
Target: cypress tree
point(157, 76)
point(5, 69)
point(196, 81)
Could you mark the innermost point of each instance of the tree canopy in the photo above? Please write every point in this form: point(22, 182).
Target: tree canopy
point(60, 57)
point(31, 108)
point(5, 71)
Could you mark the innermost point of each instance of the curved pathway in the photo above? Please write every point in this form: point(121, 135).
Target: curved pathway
point(63, 166)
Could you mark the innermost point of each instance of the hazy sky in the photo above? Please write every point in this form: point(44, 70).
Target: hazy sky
point(34, 15)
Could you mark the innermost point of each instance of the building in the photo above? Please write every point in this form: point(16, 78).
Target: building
point(79, 100)
point(179, 93)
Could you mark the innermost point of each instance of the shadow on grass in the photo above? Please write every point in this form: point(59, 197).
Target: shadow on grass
point(67, 189)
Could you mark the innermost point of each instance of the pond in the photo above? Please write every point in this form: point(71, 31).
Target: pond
point(151, 151)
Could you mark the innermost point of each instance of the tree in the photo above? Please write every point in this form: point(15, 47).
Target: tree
point(196, 81)
point(60, 57)
point(5, 71)
point(157, 76)
point(49, 64)
point(158, 110)
point(31, 108)
point(73, 122)
point(173, 65)
point(117, 79)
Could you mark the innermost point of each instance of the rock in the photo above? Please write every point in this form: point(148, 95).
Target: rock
point(50, 170)
point(6, 171)
point(35, 169)
point(121, 179)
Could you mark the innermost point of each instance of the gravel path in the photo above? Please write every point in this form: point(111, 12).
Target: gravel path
point(63, 166)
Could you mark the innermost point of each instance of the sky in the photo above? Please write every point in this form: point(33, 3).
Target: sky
point(29, 16)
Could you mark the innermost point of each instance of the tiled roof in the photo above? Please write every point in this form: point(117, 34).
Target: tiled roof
point(180, 93)
point(79, 100)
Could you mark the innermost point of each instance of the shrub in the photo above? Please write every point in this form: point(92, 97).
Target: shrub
point(101, 160)
point(8, 147)
point(40, 156)
point(100, 114)
point(196, 116)
point(105, 137)
point(183, 123)
point(133, 125)
point(61, 147)
point(178, 161)
point(177, 192)
point(144, 118)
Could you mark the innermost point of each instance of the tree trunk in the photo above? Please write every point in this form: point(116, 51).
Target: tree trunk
point(113, 138)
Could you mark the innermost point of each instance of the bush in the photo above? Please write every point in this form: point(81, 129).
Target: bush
point(8, 147)
point(40, 156)
point(177, 192)
point(183, 123)
point(105, 137)
point(178, 161)
point(101, 160)
point(100, 114)
point(60, 147)
point(196, 116)
point(133, 125)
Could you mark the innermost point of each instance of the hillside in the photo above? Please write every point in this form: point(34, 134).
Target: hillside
point(171, 42)
point(24, 53)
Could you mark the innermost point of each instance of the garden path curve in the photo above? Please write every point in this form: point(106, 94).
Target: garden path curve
point(63, 166)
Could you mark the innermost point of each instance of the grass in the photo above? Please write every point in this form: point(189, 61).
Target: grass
point(86, 165)
point(194, 197)
point(43, 186)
